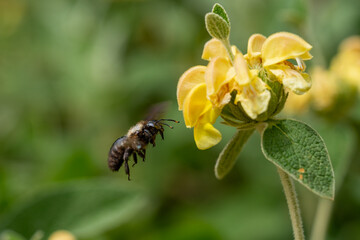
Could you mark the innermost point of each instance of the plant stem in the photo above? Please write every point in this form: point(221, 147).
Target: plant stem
point(293, 205)
point(226, 44)
point(322, 218)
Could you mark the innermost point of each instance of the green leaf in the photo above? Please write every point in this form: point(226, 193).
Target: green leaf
point(216, 26)
point(340, 151)
point(219, 10)
point(300, 151)
point(228, 155)
point(86, 209)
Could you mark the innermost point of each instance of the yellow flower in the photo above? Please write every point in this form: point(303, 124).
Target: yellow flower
point(346, 65)
point(62, 235)
point(222, 77)
point(325, 88)
point(193, 94)
point(252, 92)
point(197, 110)
point(203, 91)
point(272, 54)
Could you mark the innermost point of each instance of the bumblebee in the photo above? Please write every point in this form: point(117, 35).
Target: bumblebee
point(135, 142)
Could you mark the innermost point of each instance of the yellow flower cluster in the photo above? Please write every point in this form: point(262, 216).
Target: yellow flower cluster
point(327, 84)
point(203, 91)
point(346, 65)
point(62, 235)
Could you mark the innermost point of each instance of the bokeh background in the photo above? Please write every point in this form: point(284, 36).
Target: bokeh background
point(75, 75)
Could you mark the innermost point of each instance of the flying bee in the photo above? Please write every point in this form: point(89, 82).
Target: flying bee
point(135, 142)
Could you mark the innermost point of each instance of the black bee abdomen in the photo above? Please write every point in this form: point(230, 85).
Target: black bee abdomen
point(116, 153)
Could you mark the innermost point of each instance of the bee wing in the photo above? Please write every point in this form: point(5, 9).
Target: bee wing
point(156, 111)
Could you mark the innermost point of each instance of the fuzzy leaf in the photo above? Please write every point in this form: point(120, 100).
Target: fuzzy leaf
point(228, 155)
point(219, 10)
point(300, 151)
point(216, 26)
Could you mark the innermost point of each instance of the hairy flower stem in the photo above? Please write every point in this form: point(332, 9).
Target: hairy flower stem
point(293, 205)
point(226, 44)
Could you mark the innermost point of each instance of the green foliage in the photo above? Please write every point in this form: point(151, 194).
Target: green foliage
point(299, 150)
point(85, 209)
point(10, 235)
point(218, 23)
point(216, 26)
point(75, 75)
point(219, 10)
point(229, 154)
point(341, 152)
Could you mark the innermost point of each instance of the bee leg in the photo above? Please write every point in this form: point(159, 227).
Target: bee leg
point(126, 165)
point(152, 141)
point(135, 158)
point(127, 170)
point(142, 154)
point(161, 131)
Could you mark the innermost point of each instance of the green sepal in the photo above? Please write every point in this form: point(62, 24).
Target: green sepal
point(299, 151)
point(229, 154)
point(216, 26)
point(219, 10)
point(235, 112)
point(278, 96)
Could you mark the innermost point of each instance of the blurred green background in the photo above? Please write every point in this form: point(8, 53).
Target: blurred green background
point(75, 75)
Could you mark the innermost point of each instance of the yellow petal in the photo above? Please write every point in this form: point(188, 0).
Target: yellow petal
point(242, 71)
point(281, 46)
point(346, 64)
point(306, 56)
point(234, 50)
point(195, 104)
point(255, 44)
point(210, 115)
point(191, 78)
point(324, 89)
point(216, 75)
point(254, 98)
point(297, 82)
point(206, 136)
point(62, 235)
point(214, 48)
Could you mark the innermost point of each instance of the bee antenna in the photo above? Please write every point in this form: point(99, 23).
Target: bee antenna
point(167, 125)
point(171, 120)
